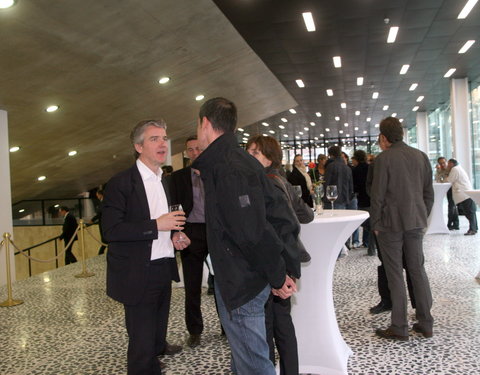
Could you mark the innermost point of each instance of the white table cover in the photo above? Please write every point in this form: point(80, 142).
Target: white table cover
point(321, 348)
point(436, 219)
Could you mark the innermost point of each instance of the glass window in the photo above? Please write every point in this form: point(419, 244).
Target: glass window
point(440, 134)
point(475, 112)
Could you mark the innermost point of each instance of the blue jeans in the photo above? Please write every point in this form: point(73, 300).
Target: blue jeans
point(245, 330)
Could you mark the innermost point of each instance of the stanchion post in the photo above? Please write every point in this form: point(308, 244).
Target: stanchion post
point(10, 301)
point(84, 273)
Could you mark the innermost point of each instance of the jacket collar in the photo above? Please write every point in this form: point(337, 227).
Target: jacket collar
point(214, 152)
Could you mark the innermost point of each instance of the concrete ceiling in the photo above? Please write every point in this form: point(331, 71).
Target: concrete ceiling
point(100, 62)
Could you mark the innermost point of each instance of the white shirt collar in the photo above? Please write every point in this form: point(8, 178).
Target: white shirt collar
point(146, 172)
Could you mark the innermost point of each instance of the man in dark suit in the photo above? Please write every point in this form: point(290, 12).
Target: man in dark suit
point(401, 200)
point(68, 230)
point(140, 261)
point(186, 188)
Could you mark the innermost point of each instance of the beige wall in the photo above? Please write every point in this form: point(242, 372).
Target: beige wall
point(29, 236)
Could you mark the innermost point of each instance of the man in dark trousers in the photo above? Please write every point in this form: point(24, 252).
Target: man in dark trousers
point(140, 262)
point(401, 200)
point(186, 188)
point(68, 230)
point(244, 213)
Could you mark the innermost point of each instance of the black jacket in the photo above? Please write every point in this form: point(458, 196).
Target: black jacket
point(297, 178)
point(129, 231)
point(360, 173)
point(340, 174)
point(69, 227)
point(180, 184)
point(243, 212)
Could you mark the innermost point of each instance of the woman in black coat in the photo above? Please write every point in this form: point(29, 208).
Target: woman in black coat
point(300, 177)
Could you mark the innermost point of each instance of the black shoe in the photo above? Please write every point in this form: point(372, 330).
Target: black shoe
point(454, 228)
point(381, 307)
point(171, 349)
point(427, 334)
point(194, 340)
point(390, 335)
point(471, 232)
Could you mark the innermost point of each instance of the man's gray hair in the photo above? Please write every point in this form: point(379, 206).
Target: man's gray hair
point(137, 134)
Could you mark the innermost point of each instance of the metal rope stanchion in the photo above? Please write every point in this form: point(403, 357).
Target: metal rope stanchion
point(10, 301)
point(84, 265)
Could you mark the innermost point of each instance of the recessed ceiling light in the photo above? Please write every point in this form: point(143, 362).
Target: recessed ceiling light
point(291, 110)
point(318, 114)
point(357, 113)
point(356, 127)
point(347, 135)
point(327, 129)
point(343, 105)
point(240, 129)
point(377, 125)
point(265, 124)
point(414, 109)
point(337, 61)
point(375, 95)
point(14, 149)
point(41, 178)
point(466, 46)
point(329, 92)
point(309, 23)
point(364, 132)
point(385, 107)
point(392, 34)
point(271, 131)
point(369, 119)
point(420, 98)
point(72, 153)
point(199, 97)
point(305, 128)
point(337, 118)
point(394, 114)
point(340, 131)
point(300, 83)
point(163, 80)
point(450, 72)
point(301, 133)
point(285, 135)
point(265, 135)
point(284, 119)
point(312, 123)
point(401, 119)
point(359, 81)
point(404, 69)
point(4, 4)
point(21, 210)
point(297, 137)
point(52, 108)
point(246, 135)
point(346, 124)
point(466, 9)
point(281, 126)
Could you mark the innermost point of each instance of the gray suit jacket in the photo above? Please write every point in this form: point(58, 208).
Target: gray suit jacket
point(402, 191)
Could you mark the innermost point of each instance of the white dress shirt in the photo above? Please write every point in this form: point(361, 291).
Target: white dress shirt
point(460, 182)
point(158, 205)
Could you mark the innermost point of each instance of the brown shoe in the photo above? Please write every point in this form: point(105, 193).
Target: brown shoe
point(417, 328)
point(171, 349)
point(389, 334)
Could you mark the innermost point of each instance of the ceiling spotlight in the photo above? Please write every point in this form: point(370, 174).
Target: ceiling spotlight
point(420, 98)
point(337, 61)
point(281, 126)
point(359, 81)
point(327, 129)
point(466, 9)
point(199, 97)
point(356, 127)
point(340, 131)
point(413, 87)
point(284, 119)
point(309, 23)
point(285, 135)
point(163, 80)
point(72, 153)
point(291, 110)
point(246, 135)
point(337, 118)
point(265, 124)
point(300, 83)
point(375, 95)
point(329, 92)
point(312, 123)
point(346, 124)
point(14, 149)
point(392, 34)
point(357, 113)
point(415, 109)
point(21, 210)
point(404, 69)
point(318, 114)
point(369, 119)
point(240, 129)
point(271, 131)
point(52, 108)
point(450, 72)
point(394, 114)
point(466, 46)
point(41, 178)
point(377, 125)
point(4, 4)
point(343, 105)
point(385, 107)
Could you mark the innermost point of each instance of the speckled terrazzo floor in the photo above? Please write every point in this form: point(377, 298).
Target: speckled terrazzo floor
point(68, 326)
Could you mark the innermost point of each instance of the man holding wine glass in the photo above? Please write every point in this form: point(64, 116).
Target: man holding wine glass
point(140, 261)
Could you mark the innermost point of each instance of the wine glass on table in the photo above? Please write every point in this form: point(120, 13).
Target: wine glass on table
point(332, 194)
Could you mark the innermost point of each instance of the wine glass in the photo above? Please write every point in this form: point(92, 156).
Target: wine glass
point(298, 190)
point(332, 194)
point(318, 194)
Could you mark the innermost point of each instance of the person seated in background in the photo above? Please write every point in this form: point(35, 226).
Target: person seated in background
point(300, 177)
point(278, 320)
point(460, 183)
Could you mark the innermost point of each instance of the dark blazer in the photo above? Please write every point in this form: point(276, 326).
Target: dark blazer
point(129, 231)
point(69, 227)
point(297, 178)
point(180, 184)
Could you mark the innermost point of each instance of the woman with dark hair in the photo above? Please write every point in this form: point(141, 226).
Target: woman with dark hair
point(278, 321)
point(300, 177)
point(318, 173)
